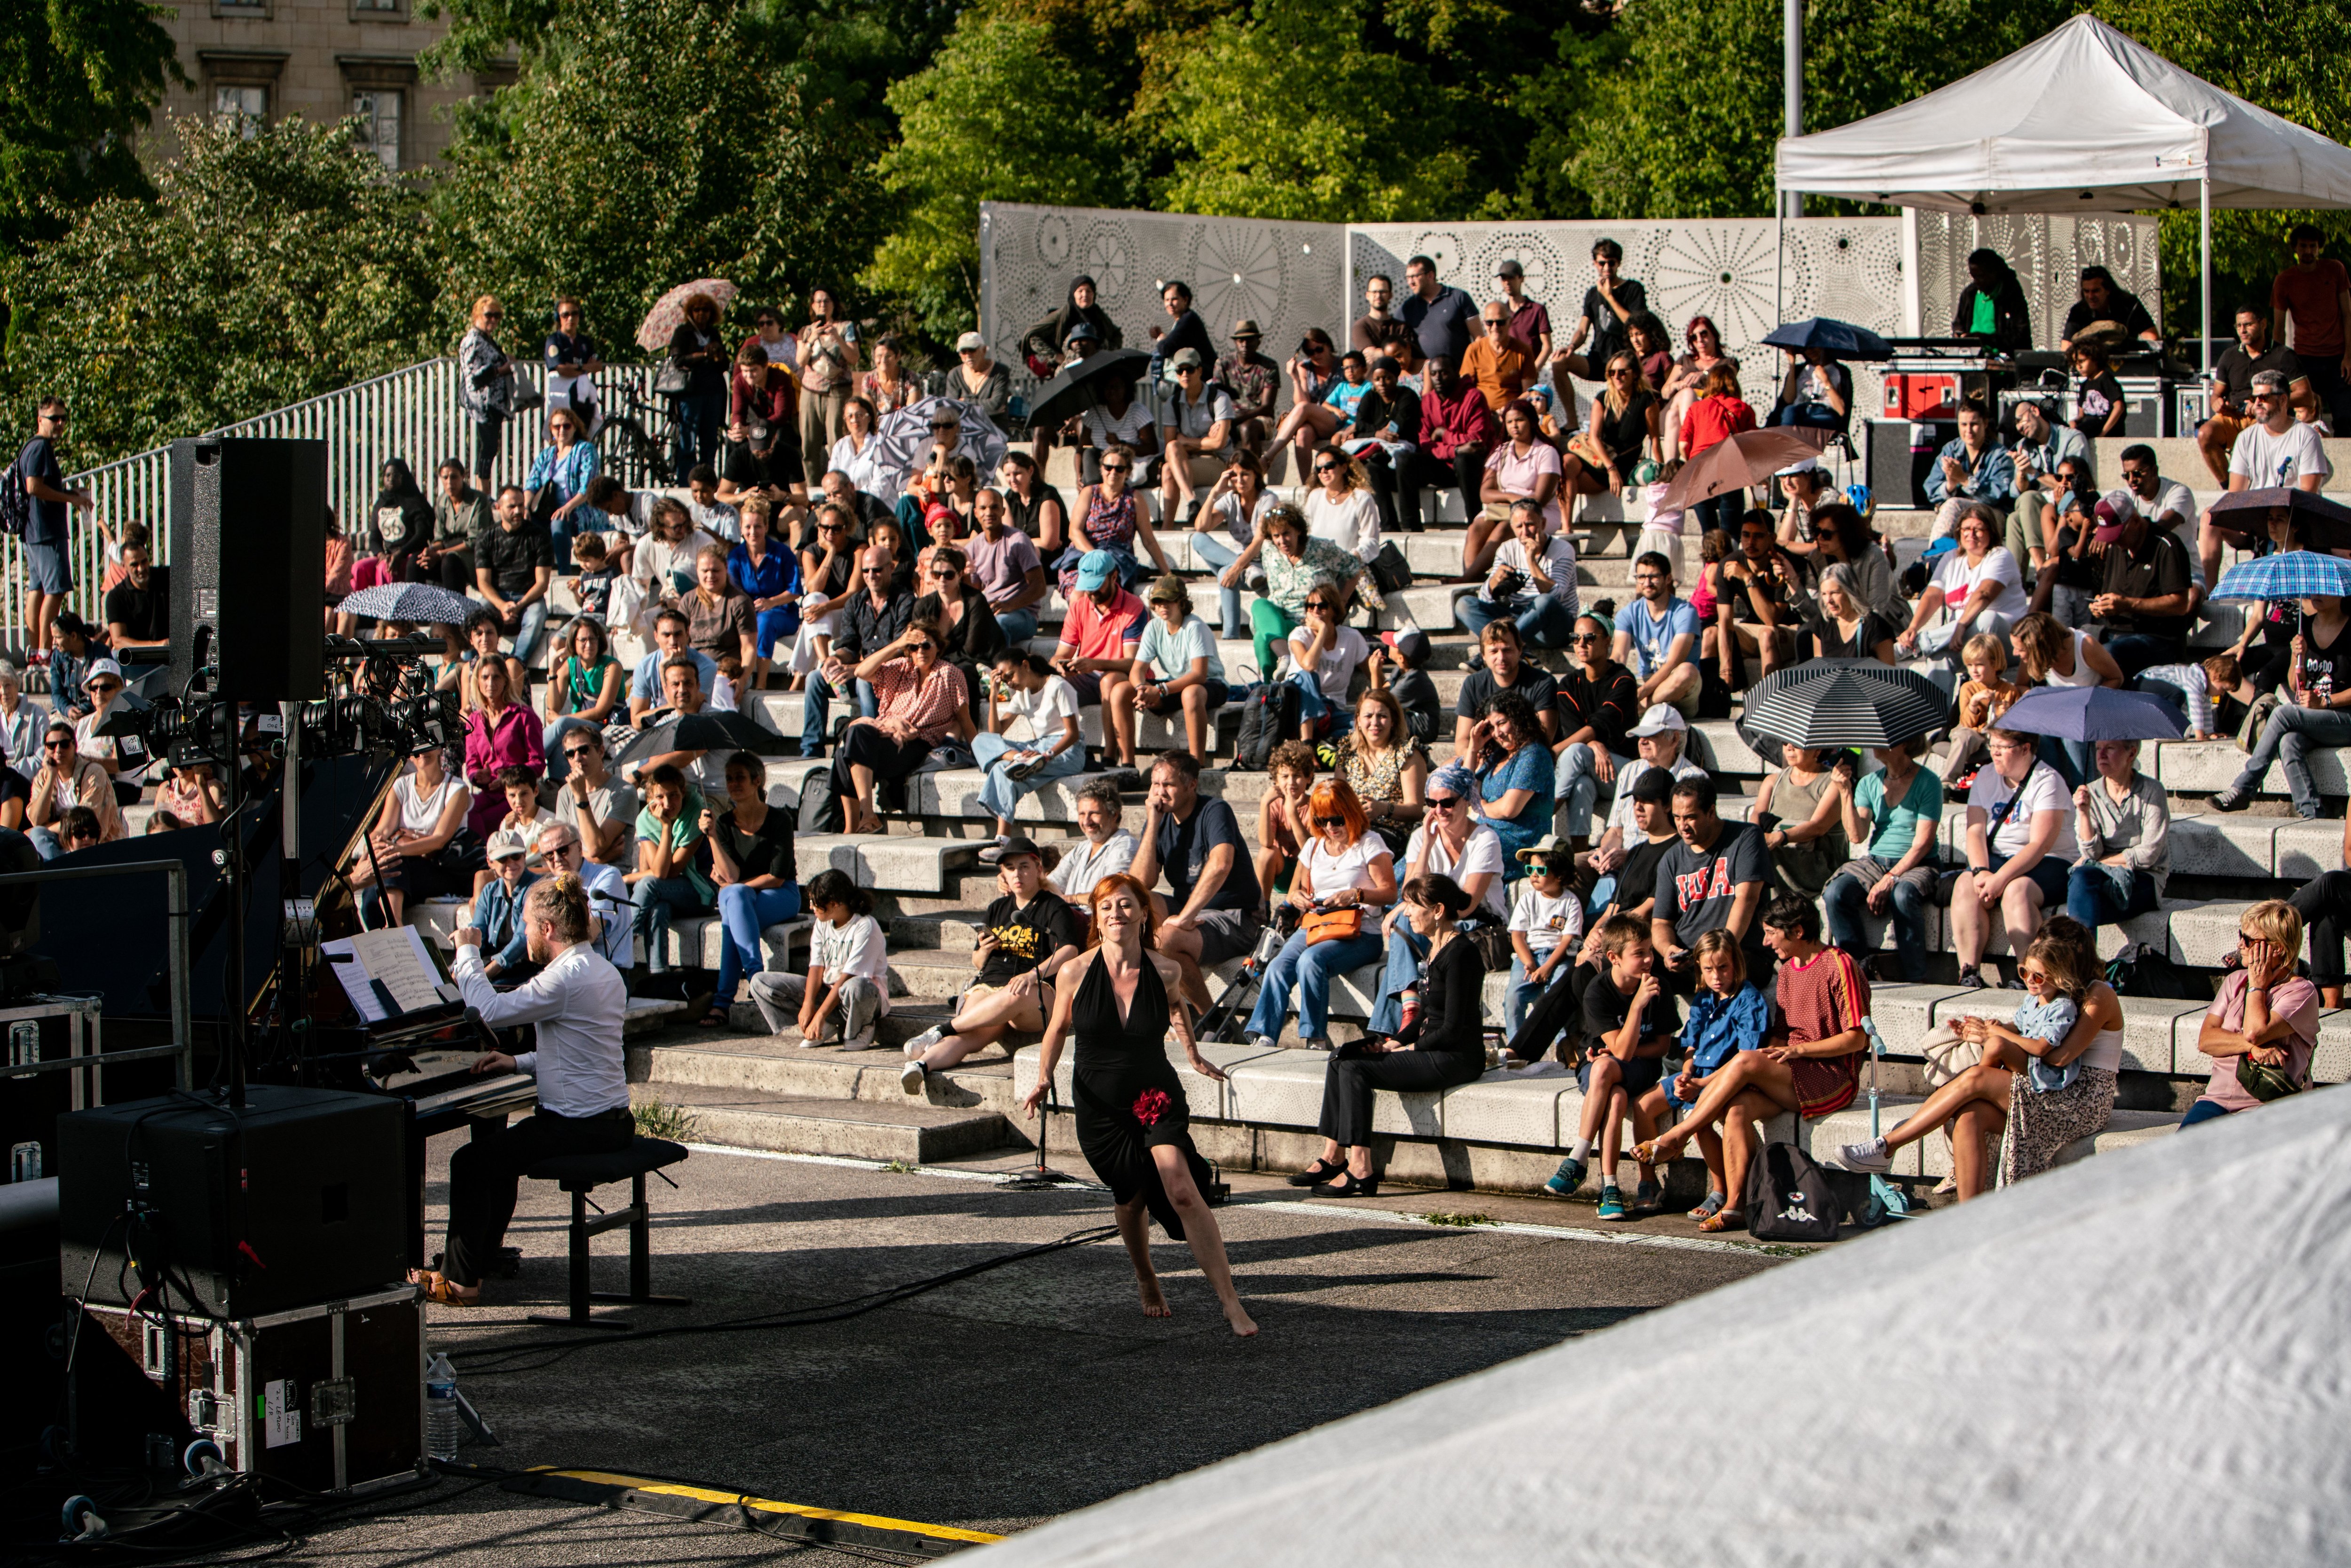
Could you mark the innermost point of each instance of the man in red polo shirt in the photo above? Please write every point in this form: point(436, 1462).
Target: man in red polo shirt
point(1099, 638)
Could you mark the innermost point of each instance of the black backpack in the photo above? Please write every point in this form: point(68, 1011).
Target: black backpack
point(1788, 1199)
point(15, 505)
point(2140, 971)
point(1269, 717)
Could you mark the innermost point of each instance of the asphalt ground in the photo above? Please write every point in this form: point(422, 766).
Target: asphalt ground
point(993, 1403)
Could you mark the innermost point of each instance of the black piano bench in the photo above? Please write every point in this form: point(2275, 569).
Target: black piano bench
point(580, 1175)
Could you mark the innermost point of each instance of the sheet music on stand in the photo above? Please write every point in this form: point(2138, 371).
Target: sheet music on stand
point(391, 975)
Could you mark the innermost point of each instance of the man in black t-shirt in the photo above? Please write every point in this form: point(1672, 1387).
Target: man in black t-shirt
point(1028, 935)
point(1502, 667)
point(2232, 384)
point(514, 565)
point(1212, 890)
point(2141, 605)
point(139, 610)
point(1710, 880)
point(2104, 299)
point(1609, 305)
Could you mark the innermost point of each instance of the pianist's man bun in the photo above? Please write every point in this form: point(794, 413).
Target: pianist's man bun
point(564, 902)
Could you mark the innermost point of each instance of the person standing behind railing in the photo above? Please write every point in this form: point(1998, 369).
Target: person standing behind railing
point(48, 569)
point(485, 379)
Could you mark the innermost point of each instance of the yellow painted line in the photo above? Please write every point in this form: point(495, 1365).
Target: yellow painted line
point(768, 1505)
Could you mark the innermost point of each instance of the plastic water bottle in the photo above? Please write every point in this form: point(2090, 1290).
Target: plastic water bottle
point(443, 1425)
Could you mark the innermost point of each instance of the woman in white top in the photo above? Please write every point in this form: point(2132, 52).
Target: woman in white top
point(1525, 467)
point(1177, 667)
point(1323, 655)
point(857, 454)
point(2049, 654)
point(665, 565)
point(1978, 582)
point(1238, 502)
point(2020, 844)
point(1987, 1102)
point(1032, 736)
point(1344, 874)
point(412, 838)
point(1342, 507)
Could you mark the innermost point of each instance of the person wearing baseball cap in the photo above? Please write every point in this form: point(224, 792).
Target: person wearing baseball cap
point(1198, 421)
point(497, 908)
point(2141, 605)
point(1025, 938)
point(979, 379)
point(1100, 637)
point(1253, 381)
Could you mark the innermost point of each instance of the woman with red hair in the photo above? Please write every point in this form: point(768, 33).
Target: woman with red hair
point(1133, 1121)
point(1345, 877)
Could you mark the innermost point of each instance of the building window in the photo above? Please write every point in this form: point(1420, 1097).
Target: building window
point(375, 10)
point(246, 8)
point(247, 106)
point(378, 112)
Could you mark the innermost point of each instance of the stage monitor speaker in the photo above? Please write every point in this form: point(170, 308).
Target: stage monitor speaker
point(295, 1198)
point(249, 567)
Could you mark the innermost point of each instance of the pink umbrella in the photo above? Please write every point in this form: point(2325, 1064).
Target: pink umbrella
point(662, 320)
point(1749, 458)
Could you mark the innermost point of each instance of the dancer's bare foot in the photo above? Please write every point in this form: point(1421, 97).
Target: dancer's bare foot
point(1244, 1325)
point(1154, 1304)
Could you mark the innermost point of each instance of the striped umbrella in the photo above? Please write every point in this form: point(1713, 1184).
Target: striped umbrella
point(2294, 574)
point(1845, 703)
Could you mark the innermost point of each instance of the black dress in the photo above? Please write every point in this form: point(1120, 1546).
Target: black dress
point(1447, 1040)
point(1129, 1098)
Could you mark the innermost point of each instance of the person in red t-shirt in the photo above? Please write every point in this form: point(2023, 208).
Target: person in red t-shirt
point(2315, 293)
point(1813, 1069)
point(1099, 638)
point(1718, 414)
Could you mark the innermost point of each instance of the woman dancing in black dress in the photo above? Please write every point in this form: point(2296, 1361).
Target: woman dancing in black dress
point(1443, 1046)
point(1132, 1121)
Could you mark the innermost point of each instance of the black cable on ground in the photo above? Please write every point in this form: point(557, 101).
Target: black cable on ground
point(555, 1350)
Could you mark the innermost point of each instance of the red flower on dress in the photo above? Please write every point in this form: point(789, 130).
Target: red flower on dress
point(1150, 1105)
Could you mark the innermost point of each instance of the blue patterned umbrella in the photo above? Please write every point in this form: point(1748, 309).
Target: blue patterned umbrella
point(2295, 574)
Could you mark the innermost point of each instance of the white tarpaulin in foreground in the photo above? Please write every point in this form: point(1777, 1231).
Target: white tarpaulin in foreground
point(2136, 1360)
point(2085, 120)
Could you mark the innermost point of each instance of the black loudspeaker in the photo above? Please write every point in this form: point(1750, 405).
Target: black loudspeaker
point(249, 567)
point(293, 1198)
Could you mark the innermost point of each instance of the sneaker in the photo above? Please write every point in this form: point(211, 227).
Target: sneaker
point(927, 1039)
point(2232, 799)
point(1021, 771)
point(1476, 661)
point(1648, 1198)
point(1612, 1203)
point(1863, 1156)
point(1260, 1042)
point(1566, 1179)
point(992, 854)
point(1316, 1042)
point(1971, 979)
point(910, 1077)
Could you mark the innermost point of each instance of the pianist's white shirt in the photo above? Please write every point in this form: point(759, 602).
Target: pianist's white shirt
point(579, 1003)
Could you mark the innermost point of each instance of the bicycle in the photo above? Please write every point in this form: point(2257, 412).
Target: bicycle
point(636, 454)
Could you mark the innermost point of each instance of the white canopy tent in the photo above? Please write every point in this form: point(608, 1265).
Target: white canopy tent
point(2086, 119)
point(2135, 1361)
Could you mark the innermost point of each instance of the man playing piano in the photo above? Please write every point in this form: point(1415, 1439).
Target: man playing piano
point(577, 1001)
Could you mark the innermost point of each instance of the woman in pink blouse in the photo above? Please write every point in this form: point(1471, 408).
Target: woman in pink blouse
point(923, 702)
point(499, 733)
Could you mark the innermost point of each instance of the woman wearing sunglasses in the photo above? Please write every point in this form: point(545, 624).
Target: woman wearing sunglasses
point(922, 703)
point(969, 637)
point(1110, 517)
point(1345, 877)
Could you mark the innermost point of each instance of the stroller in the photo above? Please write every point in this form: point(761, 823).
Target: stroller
point(1225, 1020)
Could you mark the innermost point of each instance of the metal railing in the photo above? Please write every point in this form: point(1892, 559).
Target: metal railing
point(411, 413)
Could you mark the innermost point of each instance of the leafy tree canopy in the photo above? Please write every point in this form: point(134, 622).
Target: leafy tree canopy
point(84, 77)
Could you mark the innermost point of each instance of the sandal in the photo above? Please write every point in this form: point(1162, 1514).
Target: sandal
point(716, 1017)
point(1646, 1153)
point(1710, 1208)
point(1318, 1173)
point(1723, 1219)
point(437, 1288)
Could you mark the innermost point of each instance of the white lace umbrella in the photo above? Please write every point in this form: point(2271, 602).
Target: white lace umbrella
point(903, 438)
point(661, 321)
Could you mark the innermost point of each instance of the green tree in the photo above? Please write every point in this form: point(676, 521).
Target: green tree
point(84, 77)
point(261, 273)
point(651, 142)
point(1292, 112)
point(1000, 115)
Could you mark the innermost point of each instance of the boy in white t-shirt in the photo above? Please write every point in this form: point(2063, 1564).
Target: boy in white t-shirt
point(1324, 657)
point(846, 991)
point(1546, 918)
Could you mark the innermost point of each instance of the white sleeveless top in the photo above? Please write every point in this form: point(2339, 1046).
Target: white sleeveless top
point(2106, 1051)
point(2082, 674)
point(423, 814)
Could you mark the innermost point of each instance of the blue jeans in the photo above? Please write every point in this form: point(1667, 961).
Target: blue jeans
point(1847, 898)
point(1001, 793)
point(697, 434)
point(1820, 415)
point(2075, 760)
point(2291, 735)
point(2107, 894)
point(1407, 950)
point(2203, 1111)
point(2135, 651)
point(1520, 994)
point(1577, 787)
point(1544, 621)
point(1309, 969)
point(658, 898)
point(816, 709)
point(1219, 554)
point(532, 631)
point(743, 914)
point(1018, 626)
point(1331, 719)
point(45, 842)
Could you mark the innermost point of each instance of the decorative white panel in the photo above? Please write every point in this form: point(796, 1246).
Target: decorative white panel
point(2048, 254)
point(1285, 277)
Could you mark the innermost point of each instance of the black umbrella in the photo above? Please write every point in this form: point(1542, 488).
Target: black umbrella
point(2323, 523)
point(1069, 393)
point(1838, 703)
point(721, 729)
point(1842, 339)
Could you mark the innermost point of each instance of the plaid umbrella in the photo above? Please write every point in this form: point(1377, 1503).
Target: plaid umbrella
point(2295, 574)
point(418, 603)
point(1840, 703)
point(2094, 713)
point(662, 320)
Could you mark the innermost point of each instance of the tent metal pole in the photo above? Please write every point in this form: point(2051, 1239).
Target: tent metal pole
point(1779, 254)
point(2204, 265)
point(1792, 73)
